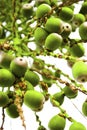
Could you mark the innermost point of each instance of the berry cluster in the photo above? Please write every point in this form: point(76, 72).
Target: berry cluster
point(46, 25)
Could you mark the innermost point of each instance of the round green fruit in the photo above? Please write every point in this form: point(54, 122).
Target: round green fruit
point(66, 14)
point(5, 59)
point(43, 10)
point(12, 111)
point(32, 77)
point(53, 41)
point(27, 10)
point(29, 86)
point(57, 122)
point(19, 66)
point(69, 92)
point(40, 35)
point(67, 29)
point(4, 99)
point(83, 31)
point(83, 8)
point(34, 100)
point(79, 71)
point(78, 19)
point(59, 97)
point(84, 107)
point(6, 78)
point(77, 50)
point(77, 126)
point(54, 25)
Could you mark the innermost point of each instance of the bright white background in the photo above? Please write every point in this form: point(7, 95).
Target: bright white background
point(72, 107)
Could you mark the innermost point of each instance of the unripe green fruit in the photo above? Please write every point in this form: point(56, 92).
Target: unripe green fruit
point(53, 41)
point(42, 10)
point(54, 25)
point(77, 20)
point(19, 66)
point(48, 81)
point(57, 122)
point(79, 71)
point(5, 59)
point(59, 97)
point(84, 107)
point(66, 14)
point(77, 50)
point(83, 8)
point(4, 99)
point(77, 126)
point(29, 86)
point(6, 78)
point(12, 111)
point(67, 29)
point(69, 92)
point(32, 77)
point(83, 31)
point(27, 10)
point(34, 100)
point(40, 35)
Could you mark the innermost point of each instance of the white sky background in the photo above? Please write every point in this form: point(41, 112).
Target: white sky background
point(72, 107)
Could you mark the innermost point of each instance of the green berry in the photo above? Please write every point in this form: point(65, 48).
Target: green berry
point(66, 14)
point(83, 31)
point(70, 92)
point(83, 8)
point(77, 126)
point(59, 97)
point(11, 111)
point(54, 25)
point(43, 10)
point(40, 35)
point(29, 86)
point(32, 77)
point(4, 99)
point(53, 41)
point(48, 82)
point(34, 100)
point(78, 19)
point(5, 59)
point(79, 71)
point(57, 122)
point(67, 29)
point(19, 66)
point(77, 50)
point(27, 10)
point(6, 78)
point(84, 107)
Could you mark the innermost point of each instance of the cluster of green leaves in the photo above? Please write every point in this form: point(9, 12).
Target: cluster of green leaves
point(47, 26)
